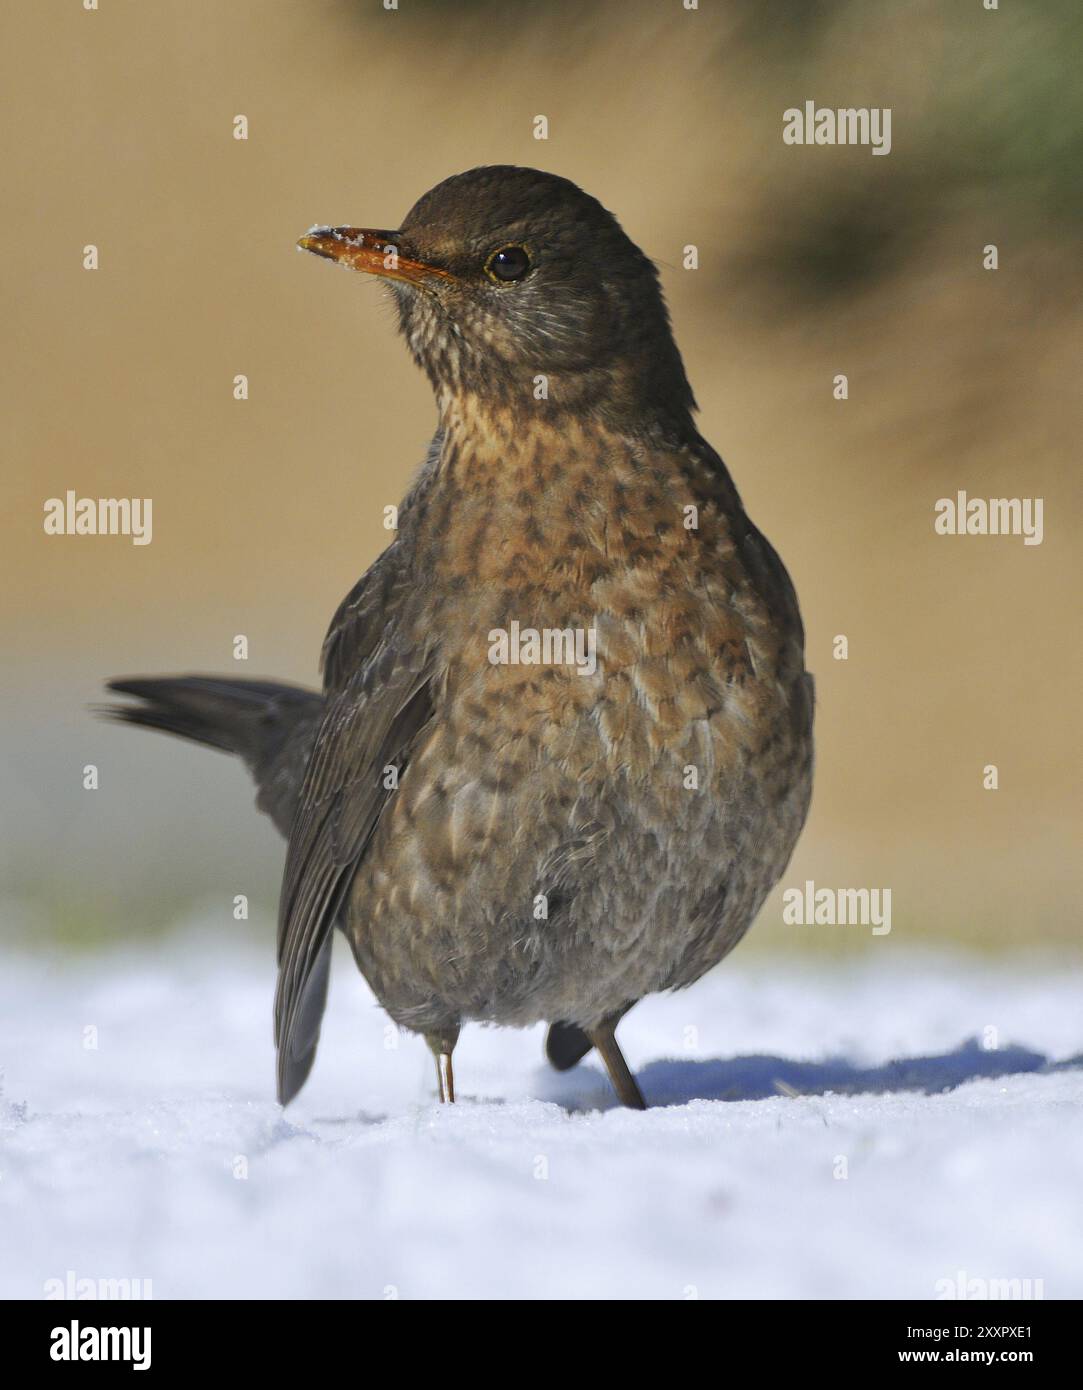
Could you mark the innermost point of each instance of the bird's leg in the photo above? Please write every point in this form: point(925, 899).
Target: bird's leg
point(604, 1038)
point(442, 1045)
point(445, 1078)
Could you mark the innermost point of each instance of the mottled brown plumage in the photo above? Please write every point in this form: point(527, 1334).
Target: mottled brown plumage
point(649, 805)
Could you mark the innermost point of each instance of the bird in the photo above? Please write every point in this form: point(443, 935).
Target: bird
point(563, 747)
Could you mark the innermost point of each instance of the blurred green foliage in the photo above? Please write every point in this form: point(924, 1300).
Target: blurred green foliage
point(989, 124)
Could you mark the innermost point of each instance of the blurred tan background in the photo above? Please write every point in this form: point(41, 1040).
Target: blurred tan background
point(813, 262)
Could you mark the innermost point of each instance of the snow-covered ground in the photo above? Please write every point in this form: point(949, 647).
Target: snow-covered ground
point(820, 1130)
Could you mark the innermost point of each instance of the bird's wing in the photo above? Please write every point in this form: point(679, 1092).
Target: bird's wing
point(378, 697)
point(371, 725)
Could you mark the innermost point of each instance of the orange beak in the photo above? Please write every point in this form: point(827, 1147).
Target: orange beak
point(375, 253)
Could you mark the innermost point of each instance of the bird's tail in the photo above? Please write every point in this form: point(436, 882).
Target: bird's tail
point(269, 725)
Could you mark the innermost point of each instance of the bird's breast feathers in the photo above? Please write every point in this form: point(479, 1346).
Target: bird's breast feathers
point(597, 583)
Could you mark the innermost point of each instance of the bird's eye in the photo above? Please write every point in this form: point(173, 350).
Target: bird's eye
point(507, 264)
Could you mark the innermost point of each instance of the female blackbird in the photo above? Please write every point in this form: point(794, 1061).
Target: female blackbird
point(564, 745)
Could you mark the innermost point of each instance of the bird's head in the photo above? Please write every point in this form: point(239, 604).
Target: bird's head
point(515, 285)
